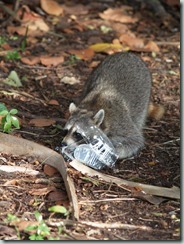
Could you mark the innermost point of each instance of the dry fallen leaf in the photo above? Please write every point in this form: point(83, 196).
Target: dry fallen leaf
point(118, 14)
point(41, 122)
point(131, 41)
point(51, 7)
point(84, 54)
point(31, 60)
point(94, 64)
point(45, 60)
point(3, 67)
point(53, 102)
point(106, 47)
point(151, 46)
point(10, 182)
point(31, 20)
point(57, 195)
point(49, 170)
point(21, 30)
point(51, 61)
point(77, 9)
point(21, 225)
point(42, 191)
point(120, 28)
point(6, 46)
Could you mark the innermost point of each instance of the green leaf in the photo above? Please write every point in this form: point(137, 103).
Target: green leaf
point(4, 113)
point(43, 229)
point(13, 111)
point(12, 55)
point(2, 107)
point(31, 227)
point(38, 216)
point(3, 120)
point(7, 127)
point(8, 118)
point(58, 209)
point(11, 217)
point(24, 42)
point(2, 40)
point(14, 38)
point(13, 79)
point(36, 237)
point(15, 122)
point(39, 238)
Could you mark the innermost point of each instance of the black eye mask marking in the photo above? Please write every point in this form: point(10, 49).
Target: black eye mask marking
point(77, 136)
point(64, 132)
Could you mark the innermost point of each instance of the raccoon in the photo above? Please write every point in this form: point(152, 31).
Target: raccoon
point(115, 98)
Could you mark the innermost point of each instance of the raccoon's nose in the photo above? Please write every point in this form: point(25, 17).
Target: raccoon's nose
point(63, 144)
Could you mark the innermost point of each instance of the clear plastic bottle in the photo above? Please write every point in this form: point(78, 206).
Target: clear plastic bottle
point(96, 151)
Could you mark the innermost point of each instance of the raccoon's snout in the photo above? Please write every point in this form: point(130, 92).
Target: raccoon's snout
point(63, 144)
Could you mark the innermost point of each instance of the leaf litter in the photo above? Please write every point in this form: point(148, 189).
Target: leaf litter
point(64, 35)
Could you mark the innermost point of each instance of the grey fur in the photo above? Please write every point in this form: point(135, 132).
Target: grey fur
point(119, 87)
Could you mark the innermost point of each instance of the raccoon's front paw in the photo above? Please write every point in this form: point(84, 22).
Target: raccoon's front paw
point(124, 152)
point(129, 147)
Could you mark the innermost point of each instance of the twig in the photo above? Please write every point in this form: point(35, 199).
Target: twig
point(17, 169)
point(171, 141)
point(168, 43)
point(115, 226)
point(107, 200)
point(100, 225)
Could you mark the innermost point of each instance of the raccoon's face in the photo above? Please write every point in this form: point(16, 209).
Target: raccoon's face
point(73, 136)
point(80, 118)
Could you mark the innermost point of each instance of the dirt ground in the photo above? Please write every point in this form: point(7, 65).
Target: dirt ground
point(46, 93)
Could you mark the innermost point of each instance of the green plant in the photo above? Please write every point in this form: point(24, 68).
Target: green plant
point(59, 209)
point(13, 79)
point(37, 230)
point(13, 55)
point(8, 121)
point(41, 229)
point(10, 218)
point(72, 59)
point(2, 40)
point(24, 41)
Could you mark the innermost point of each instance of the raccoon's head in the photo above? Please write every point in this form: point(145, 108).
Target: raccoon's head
point(80, 118)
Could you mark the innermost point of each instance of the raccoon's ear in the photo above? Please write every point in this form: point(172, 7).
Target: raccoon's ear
point(72, 108)
point(99, 117)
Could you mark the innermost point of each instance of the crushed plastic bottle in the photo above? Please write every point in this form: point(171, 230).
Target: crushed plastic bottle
point(95, 151)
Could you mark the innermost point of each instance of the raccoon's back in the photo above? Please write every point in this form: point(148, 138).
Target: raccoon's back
point(122, 71)
point(124, 75)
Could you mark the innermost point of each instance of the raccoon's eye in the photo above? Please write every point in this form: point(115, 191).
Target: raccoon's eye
point(77, 136)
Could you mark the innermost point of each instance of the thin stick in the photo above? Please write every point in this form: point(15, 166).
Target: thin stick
point(107, 200)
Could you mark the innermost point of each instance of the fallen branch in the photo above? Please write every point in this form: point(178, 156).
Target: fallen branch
point(8, 169)
point(173, 192)
point(116, 226)
point(118, 199)
point(22, 147)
